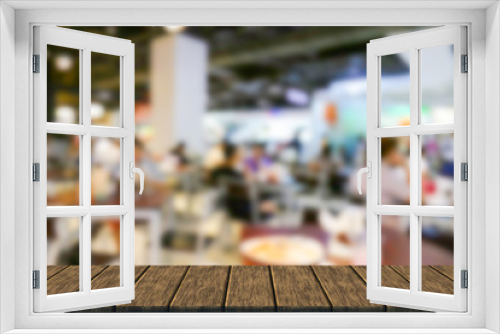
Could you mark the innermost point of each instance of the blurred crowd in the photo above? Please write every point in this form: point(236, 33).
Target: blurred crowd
point(277, 184)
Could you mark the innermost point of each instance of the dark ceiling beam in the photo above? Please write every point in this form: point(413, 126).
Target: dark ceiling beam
point(292, 46)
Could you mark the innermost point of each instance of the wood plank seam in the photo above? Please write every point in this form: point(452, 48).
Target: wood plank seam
point(178, 288)
point(100, 272)
point(442, 273)
point(224, 306)
point(275, 292)
point(400, 274)
point(364, 280)
point(358, 274)
point(141, 275)
point(322, 287)
point(57, 273)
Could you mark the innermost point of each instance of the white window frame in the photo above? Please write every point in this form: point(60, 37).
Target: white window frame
point(414, 43)
point(85, 43)
point(483, 102)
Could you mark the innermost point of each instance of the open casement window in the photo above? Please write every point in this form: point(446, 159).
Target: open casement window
point(83, 165)
point(416, 144)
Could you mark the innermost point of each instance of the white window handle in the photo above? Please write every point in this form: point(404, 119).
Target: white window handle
point(367, 170)
point(132, 171)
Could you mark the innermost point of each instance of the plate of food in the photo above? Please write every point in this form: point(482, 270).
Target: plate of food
point(282, 250)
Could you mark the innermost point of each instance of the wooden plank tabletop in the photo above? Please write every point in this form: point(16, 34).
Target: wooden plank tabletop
point(345, 288)
point(68, 279)
point(298, 290)
point(249, 288)
point(155, 289)
point(390, 278)
point(433, 280)
point(202, 290)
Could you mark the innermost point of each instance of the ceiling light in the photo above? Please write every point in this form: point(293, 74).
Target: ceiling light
point(174, 29)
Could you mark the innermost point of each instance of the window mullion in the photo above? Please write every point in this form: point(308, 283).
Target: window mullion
point(85, 165)
point(415, 244)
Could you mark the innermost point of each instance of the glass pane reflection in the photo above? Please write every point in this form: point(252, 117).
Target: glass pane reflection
point(63, 251)
point(395, 170)
point(105, 171)
point(437, 84)
point(395, 244)
point(437, 254)
point(63, 169)
point(395, 90)
point(105, 82)
point(437, 166)
point(63, 84)
point(105, 249)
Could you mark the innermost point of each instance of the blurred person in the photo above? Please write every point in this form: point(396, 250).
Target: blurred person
point(179, 152)
point(395, 174)
point(395, 190)
point(327, 171)
point(240, 199)
point(215, 156)
point(228, 168)
point(261, 167)
point(257, 160)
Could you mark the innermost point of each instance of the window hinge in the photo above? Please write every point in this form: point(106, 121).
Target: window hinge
point(36, 172)
point(465, 279)
point(464, 171)
point(36, 279)
point(36, 63)
point(465, 64)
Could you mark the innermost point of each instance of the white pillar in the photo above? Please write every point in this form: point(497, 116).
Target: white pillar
point(179, 76)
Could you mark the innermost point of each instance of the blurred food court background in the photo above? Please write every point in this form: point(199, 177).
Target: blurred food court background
point(250, 139)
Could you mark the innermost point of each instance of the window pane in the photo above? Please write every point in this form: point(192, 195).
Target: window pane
point(63, 255)
point(437, 84)
point(63, 169)
point(395, 250)
point(105, 81)
point(105, 171)
point(105, 250)
point(437, 254)
point(395, 90)
point(63, 84)
point(395, 171)
point(437, 166)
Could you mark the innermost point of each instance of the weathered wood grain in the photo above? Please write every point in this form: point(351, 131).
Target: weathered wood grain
point(155, 289)
point(250, 289)
point(298, 290)
point(110, 277)
point(392, 278)
point(202, 290)
point(68, 280)
point(111, 273)
point(448, 271)
point(345, 289)
point(54, 270)
point(432, 280)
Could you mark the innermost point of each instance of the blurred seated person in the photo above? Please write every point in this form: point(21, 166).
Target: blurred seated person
point(215, 156)
point(228, 168)
point(180, 155)
point(394, 173)
point(257, 161)
point(262, 168)
point(240, 200)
